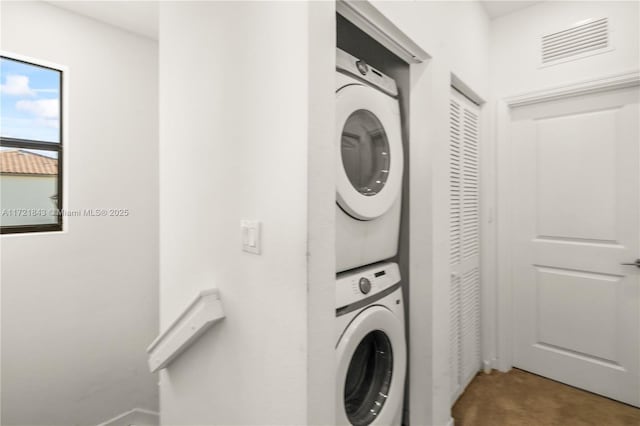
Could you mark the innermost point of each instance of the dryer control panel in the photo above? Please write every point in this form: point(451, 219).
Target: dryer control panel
point(362, 283)
point(360, 69)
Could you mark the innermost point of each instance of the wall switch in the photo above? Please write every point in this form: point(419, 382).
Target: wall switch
point(250, 236)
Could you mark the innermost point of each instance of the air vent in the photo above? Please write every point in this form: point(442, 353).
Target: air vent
point(576, 42)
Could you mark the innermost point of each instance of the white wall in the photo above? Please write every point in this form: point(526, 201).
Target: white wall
point(456, 35)
point(79, 307)
point(452, 32)
point(234, 129)
point(515, 45)
point(515, 60)
point(321, 190)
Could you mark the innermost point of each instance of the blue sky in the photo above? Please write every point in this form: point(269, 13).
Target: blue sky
point(29, 101)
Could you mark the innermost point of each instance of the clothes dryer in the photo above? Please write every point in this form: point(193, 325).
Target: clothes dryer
point(370, 164)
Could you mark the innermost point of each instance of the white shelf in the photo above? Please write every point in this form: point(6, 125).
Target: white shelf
point(204, 311)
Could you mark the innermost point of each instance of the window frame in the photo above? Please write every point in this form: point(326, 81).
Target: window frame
point(58, 147)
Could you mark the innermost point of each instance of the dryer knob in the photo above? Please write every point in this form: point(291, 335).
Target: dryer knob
point(365, 285)
point(362, 67)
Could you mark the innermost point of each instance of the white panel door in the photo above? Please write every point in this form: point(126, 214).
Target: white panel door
point(464, 237)
point(576, 187)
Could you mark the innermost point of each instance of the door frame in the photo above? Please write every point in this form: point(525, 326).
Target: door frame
point(503, 286)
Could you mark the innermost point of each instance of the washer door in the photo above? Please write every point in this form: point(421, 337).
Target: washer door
point(371, 369)
point(369, 153)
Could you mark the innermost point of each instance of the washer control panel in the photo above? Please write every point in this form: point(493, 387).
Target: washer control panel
point(355, 285)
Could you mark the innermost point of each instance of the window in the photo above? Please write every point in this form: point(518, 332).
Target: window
point(31, 147)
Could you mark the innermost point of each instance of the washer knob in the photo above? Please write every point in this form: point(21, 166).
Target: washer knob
point(365, 285)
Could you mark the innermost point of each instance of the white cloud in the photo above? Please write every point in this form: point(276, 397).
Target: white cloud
point(17, 85)
point(30, 128)
point(42, 108)
point(50, 122)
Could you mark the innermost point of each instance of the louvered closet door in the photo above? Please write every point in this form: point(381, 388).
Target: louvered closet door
point(465, 242)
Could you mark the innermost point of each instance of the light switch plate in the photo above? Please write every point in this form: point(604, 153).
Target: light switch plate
point(251, 236)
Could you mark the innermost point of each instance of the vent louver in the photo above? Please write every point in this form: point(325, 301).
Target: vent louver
point(576, 41)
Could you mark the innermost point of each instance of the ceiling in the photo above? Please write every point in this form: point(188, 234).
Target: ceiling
point(496, 9)
point(140, 17)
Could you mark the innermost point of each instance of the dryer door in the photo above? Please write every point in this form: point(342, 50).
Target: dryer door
point(371, 369)
point(370, 151)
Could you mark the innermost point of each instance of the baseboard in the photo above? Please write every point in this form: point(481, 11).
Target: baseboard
point(488, 365)
point(137, 417)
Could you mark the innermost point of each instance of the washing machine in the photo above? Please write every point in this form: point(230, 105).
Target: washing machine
point(370, 164)
point(370, 346)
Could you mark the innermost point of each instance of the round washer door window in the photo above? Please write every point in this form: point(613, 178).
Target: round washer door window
point(368, 134)
point(368, 379)
point(365, 152)
point(371, 366)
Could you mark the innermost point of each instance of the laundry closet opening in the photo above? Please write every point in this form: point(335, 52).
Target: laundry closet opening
point(357, 43)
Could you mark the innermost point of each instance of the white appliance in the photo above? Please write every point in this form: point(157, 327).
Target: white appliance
point(370, 346)
point(370, 164)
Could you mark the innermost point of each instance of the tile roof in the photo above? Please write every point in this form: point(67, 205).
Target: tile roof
point(27, 163)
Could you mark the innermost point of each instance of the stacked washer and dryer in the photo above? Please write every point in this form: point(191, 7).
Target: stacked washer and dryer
point(370, 336)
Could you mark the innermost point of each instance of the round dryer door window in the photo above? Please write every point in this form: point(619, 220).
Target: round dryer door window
point(365, 152)
point(369, 178)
